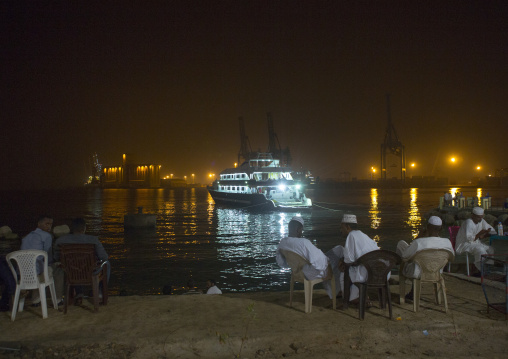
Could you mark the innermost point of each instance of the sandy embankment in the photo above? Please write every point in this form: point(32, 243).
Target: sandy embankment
point(223, 327)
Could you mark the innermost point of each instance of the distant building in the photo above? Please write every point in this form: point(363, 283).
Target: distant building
point(173, 182)
point(131, 175)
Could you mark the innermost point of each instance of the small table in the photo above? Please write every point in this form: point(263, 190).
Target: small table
point(496, 237)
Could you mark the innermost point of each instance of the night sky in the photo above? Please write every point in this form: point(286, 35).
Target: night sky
point(167, 81)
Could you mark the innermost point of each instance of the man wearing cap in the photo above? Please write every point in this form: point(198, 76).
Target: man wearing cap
point(318, 261)
point(431, 240)
point(470, 234)
point(357, 244)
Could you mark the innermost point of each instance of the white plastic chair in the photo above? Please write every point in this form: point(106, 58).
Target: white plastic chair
point(431, 262)
point(297, 262)
point(26, 261)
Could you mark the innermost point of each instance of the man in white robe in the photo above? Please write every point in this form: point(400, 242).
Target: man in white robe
point(470, 234)
point(429, 240)
point(357, 244)
point(212, 287)
point(318, 261)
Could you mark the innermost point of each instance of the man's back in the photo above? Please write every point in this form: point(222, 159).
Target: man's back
point(358, 244)
point(81, 238)
point(427, 243)
point(303, 247)
point(41, 240)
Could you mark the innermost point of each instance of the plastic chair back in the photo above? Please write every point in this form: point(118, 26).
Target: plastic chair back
point(296, 263)
point(26, 261)
point(81, 269)
point(79, 262)
point(431, 261)
point(27, 278)
point(378, 264)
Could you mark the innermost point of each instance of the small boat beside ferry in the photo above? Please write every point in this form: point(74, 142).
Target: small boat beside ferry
point(260, 182)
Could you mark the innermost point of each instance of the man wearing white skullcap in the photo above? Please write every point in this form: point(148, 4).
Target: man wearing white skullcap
point(430, 240)
point(357, 244)
point(470, 234)
point(294, 242)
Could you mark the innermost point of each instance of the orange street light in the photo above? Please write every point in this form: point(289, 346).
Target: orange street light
point(413, 165)
point(453, 159)
point(478, 168)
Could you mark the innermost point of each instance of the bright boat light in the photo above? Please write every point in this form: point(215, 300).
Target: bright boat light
point(298, 186)
point(282, 187)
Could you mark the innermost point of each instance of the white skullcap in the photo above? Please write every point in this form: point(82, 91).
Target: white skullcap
point(478, 211)
point(435, 220)
point(298, 219)
point(349, 218)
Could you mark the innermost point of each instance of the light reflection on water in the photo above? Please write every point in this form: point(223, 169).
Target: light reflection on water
point(414, 220)
point(374, 210)
point(194, 238)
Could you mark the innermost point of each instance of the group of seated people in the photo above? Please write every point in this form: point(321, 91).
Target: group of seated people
point(42, 239)
point(358, 243)
point(321, 265)
point(211, 288)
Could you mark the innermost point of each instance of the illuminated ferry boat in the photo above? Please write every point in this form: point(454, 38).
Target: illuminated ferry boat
point(260, 182)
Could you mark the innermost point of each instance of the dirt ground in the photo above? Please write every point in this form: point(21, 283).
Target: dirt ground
point(261, 325)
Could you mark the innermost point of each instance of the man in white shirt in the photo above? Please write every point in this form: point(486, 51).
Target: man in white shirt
point(357, 244)
point(470, 234)
point(430, 240)
point(318, 261)
point(212, 288)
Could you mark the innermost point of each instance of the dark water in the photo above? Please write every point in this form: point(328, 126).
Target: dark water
point(194, 238)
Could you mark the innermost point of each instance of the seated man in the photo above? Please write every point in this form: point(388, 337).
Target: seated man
point(470, 233)
point(357, 244)
point(318, 262)
point(41, 239)
point(78, 236)
point(211, 287)
point(429, 240)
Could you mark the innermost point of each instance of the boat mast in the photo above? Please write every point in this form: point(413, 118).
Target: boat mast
point(245, 149)
point(274, 148)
